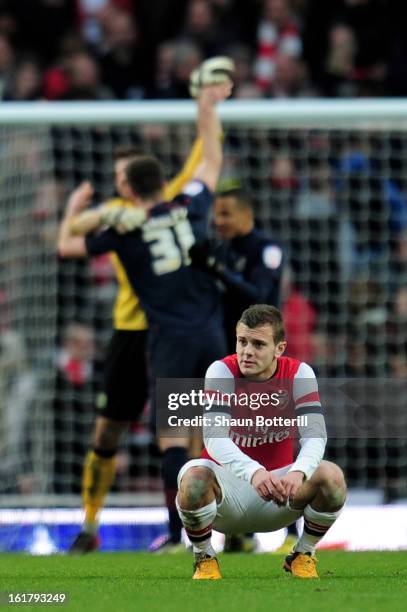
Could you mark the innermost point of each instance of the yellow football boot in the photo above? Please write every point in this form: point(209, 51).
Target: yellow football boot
point(301, 565)
point(206, 568)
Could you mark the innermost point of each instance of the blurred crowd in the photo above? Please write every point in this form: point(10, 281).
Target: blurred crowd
point(133, 49)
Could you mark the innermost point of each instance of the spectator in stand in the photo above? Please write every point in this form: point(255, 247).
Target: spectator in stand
point(398, 265)
point(355, 35)
point(369, 19)
point(300, 317)
point(319, 250)
point(397, 322)
point(244, 85)
point(283, 174)
point(77, 384)
point(25, 82)
point(165, 59)
point(125, 67)
point(93, 15)
point(339, 74)
point(277, 34)
point(84, 81)
point(290, 78)
point(6, 64)
point(18, 385)
point(56, 81)
point(282, 192)
point(186, 58)
point(8, 24)
point(377, 220)
point(201, 28)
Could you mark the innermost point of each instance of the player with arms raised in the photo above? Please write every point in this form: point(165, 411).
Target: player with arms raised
point(249, 481)
point(152, 240)
point(127, 349)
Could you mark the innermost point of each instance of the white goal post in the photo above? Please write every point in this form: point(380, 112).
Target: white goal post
point(307, 113)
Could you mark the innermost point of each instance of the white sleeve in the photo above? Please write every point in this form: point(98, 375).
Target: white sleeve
point(220, 380)
point(313, 436)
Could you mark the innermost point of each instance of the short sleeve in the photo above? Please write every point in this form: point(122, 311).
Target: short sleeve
point(196, 196)
point(104, 242)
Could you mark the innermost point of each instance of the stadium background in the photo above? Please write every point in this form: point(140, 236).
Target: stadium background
point(336, 197)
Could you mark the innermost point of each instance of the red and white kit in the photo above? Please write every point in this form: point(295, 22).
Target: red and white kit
point(236, 447)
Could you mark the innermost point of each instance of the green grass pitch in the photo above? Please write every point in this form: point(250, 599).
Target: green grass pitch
point(350, 582)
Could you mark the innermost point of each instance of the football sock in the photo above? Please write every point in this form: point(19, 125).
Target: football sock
point(172, 461)
point(198, 526)
point(98, 475)
point(316, 524)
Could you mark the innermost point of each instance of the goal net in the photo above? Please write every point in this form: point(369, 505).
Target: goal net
point(327, 179)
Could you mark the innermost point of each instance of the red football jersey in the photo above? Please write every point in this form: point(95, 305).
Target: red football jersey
point(292, 391)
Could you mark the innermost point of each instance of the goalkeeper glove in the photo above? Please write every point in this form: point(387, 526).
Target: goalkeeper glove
point(123, 219)
point(214, 71)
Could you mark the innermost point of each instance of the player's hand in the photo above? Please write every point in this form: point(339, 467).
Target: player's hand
point(212, 94)
point(131, 219)
point(80, 198)
point(215, 72)
point(292, 482)
point(123, 219)
point(269, 487)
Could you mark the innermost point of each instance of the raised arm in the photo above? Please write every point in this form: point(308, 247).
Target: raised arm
point(175, 185)
point(69, 244)
point(210, 129)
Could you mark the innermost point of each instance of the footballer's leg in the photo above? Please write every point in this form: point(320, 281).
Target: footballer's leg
point(322, 498)
point(174, 456)
point(197, 507)
point(123, 401)
point(98, 475)
point(168, 361)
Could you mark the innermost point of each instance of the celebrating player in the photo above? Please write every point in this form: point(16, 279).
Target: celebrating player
point(126, 352)
point(178, 301)
point(247, 479)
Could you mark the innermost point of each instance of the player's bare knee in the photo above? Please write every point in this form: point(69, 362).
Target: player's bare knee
point(196, 488)
point(331, 484)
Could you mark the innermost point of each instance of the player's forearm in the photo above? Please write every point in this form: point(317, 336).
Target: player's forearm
point(68, 244)
point(224, 451)
point(86, 222)
point(313, 442)
point(210, 130)
point(175, 185)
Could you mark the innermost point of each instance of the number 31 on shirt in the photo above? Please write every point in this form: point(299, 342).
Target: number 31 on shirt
point(169, 247)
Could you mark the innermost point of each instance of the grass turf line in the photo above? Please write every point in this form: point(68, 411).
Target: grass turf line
point(351, 582)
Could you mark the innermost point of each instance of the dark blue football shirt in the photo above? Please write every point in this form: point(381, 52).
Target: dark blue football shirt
point(179, 300)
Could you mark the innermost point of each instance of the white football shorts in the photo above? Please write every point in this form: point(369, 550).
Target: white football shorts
point(242, 509)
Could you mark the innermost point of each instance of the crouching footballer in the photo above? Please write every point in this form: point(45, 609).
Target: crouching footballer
point(247, 479)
